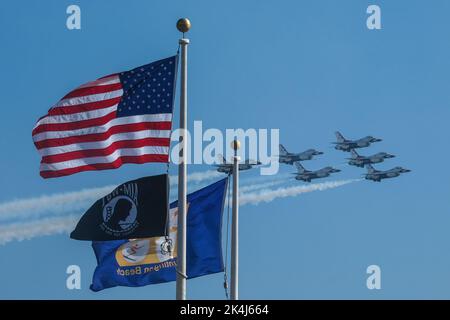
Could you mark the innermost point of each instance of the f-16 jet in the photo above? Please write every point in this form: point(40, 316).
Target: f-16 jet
point(290, 158)
point(306, 175)
point(377, 175)
point(347, 145)
point(227, 167)
point(360, 161)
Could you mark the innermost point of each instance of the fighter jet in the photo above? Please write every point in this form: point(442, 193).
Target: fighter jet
point(361, 161)
point(347, 145)
point(290, 158)
point(307, 176)
point(227, 167)
point(377, 175)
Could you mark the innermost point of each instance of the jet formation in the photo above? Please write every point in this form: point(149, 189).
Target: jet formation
point(341, 144)
point(367, 161)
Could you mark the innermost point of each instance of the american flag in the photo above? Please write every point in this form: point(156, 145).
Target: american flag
point(117, 119)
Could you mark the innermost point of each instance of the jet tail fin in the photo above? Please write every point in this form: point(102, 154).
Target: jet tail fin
point(339, 137)
point(299, 167)
point(221, 159)
point(354, 154)
point(283, 150)
point(369, 168)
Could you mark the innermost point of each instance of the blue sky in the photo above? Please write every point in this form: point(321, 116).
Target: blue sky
point(306, 67)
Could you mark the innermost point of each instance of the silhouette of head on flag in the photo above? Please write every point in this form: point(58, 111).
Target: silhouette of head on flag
point(120, 213)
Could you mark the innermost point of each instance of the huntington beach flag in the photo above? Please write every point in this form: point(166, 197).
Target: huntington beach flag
point(117, 119)
point(141, 262)
point(135, 209)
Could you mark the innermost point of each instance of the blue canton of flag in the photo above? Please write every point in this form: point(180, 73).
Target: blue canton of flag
point(140, 262)
point(148, 89)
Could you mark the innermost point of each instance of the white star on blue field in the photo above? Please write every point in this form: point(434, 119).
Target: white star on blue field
point(148, 89)
point(309, 68)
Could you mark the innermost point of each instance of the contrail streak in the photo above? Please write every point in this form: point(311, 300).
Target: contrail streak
point(270, 195)
point(252, 187)
point(43, 227)
point(198, 177)
point(57, 225)
point(57, 203)
point(248, 184)
point(62, 203)
point(253, 183)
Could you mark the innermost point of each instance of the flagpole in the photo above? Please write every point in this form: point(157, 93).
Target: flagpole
point(183, 25)
point(234, 292)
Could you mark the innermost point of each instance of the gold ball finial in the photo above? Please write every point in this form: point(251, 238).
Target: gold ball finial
point(235, 144)
point(183, 25)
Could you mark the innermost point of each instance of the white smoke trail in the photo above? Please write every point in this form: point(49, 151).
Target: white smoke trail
point(62, 203)
point(252, 187)
point(268, 195)
point(248, 184)
point(198, 177)
point(59, 203)
point(57, 225)
point(43, 227)
point(254, 183)
point(260, 179)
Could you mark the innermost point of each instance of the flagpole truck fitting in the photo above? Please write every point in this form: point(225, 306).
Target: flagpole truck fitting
point(236, 145)
point(183, 25)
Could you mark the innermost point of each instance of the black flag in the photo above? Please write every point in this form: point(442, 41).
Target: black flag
point(135, 209)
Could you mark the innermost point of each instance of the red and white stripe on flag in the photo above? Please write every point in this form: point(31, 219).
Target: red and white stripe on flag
point(88, 130)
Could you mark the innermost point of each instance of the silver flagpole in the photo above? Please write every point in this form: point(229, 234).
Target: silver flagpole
point(234, 292)
point(183, 25)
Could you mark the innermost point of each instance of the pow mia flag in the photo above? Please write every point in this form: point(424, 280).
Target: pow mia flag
point(135, 209)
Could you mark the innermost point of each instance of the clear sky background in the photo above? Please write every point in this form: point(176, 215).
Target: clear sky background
point(306, 67)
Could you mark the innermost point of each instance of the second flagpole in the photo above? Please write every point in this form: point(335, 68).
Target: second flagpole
point(234, 290)
point(183, 25)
